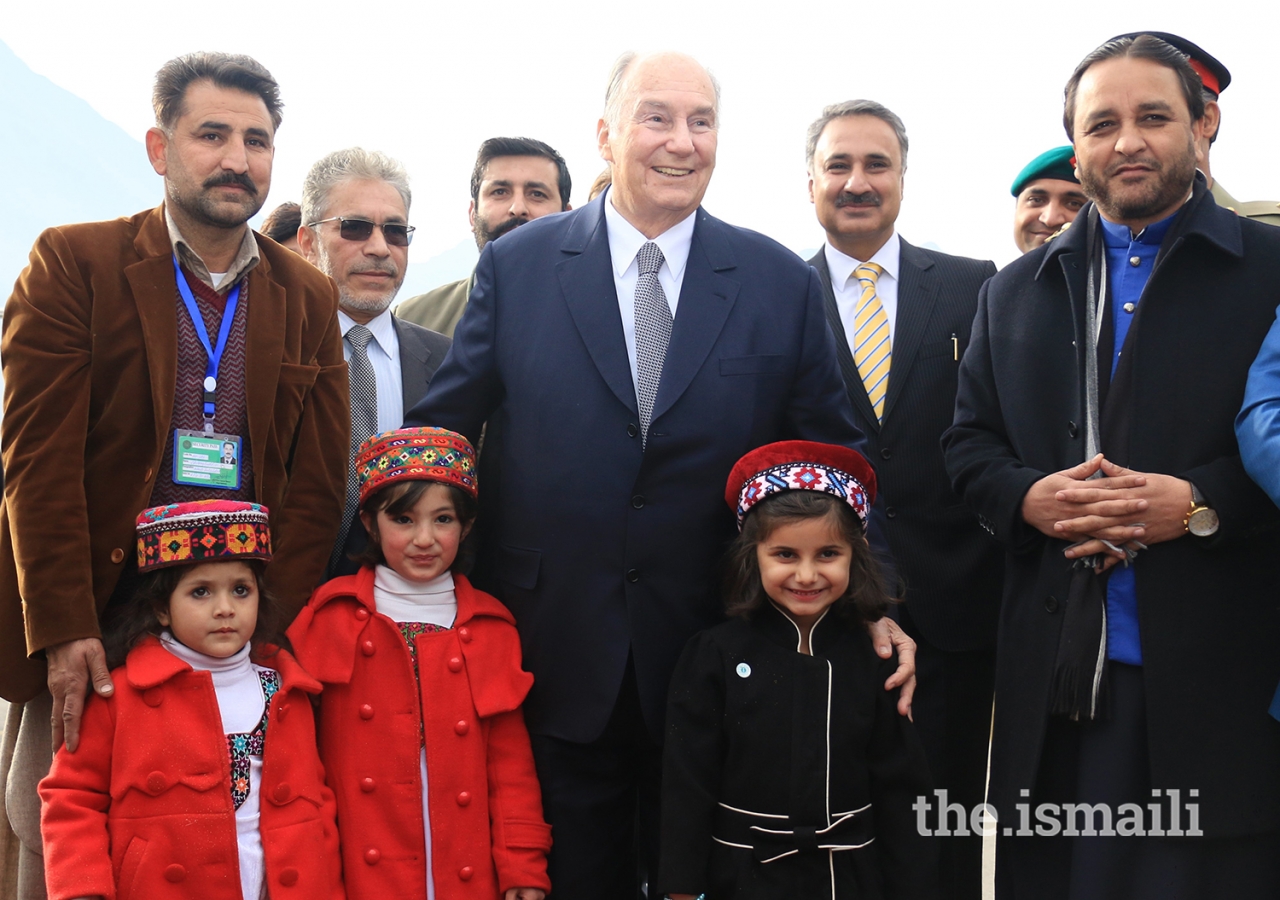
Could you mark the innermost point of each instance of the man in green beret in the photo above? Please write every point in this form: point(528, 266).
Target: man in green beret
point(1048, 196)
point(1215, 77)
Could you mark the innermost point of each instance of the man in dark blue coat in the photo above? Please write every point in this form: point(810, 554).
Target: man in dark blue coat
point(1121, 349)
point(625, 355)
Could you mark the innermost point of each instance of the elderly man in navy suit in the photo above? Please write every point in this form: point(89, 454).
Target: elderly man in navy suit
point(625, 355)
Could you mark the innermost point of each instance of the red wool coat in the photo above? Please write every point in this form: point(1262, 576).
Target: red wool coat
point(143, 808)
point(487, 830)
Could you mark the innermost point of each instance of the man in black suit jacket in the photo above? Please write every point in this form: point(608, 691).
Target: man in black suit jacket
point(907, 322)
point(355, 214)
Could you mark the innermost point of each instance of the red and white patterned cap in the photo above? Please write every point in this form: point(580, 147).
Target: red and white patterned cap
point(801, 466)
point(202, 531)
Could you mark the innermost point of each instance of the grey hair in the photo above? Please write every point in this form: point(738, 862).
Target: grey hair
point(352, 164)
point(855, 108)
point(613, 94)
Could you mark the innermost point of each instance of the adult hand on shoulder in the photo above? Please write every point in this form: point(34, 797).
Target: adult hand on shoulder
point(1057, 503)
point(1166, 501)
point(524, 894)
point(73, 666)
point(887, 636)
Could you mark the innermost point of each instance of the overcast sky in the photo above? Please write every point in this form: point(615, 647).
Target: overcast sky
point(978, 85)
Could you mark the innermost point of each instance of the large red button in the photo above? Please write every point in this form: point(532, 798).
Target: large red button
point(367, 648)
point(283, 792)
point(175, 873)
point(461, 727)
point(367, 785)
point(366, 712)
point(289, 877)
point(465, 634)
point(466, 872)
point(455, 664)
point(153, 697)
point(372, 855)
point(157, 783)
point(464, 798)
point(362, 613)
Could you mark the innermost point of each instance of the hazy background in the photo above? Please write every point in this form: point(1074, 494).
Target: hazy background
point(979, 87)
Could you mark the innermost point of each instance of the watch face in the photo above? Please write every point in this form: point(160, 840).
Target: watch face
point(1203, 522)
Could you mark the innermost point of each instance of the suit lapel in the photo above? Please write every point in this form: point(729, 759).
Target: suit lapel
point(848, 368)
point(586, 280)
point(414, 354)
point(917, 293)
point(706, 298)
point(264, 352)
point(155, 291)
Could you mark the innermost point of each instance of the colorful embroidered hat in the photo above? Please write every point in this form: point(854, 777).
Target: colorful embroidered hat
point(202, 531)
point(801, 466)
point(416, 454)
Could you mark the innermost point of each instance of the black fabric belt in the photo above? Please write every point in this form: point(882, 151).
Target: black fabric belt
point(770, 838)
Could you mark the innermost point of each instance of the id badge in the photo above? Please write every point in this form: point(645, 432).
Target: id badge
point(206, 460)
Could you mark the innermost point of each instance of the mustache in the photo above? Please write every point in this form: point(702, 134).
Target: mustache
point(240, 178)
point(1152, 164)
point(847, 198)
point(506, 226)
point(382, 268)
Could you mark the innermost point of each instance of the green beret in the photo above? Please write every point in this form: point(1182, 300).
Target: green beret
point(1055, 163)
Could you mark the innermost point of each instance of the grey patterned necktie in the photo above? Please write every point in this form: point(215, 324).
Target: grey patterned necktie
point(653, 332)
point(364, 424)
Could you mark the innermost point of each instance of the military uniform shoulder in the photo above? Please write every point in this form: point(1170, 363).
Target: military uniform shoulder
point(1061, 231)
point(1260, 210)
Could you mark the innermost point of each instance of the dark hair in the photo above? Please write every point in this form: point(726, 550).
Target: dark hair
point(403, 496)
point(284, 222)
point(1144, 46)
point(518, 146)
point(139, 617)
point(865, 600)
point(226, 70)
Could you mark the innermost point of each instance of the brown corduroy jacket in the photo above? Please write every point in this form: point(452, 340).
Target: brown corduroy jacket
point(89, 350)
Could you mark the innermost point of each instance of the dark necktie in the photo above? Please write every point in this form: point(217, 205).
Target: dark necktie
point(364, 424)
point(653, 332)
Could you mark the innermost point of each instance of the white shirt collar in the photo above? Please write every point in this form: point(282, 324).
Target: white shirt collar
point(841, 265)
point(384, 330)
point(625, 240)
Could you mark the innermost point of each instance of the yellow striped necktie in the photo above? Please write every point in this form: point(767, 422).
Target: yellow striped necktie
point(872, 349)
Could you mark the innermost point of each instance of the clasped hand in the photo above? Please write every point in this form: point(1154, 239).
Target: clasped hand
point(1104, 516)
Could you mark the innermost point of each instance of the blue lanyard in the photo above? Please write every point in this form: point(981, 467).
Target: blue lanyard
point(213, 355)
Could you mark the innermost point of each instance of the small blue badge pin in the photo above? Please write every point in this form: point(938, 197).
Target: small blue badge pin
point(743, 670)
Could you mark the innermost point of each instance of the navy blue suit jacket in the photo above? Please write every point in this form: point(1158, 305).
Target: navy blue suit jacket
point(600, 548)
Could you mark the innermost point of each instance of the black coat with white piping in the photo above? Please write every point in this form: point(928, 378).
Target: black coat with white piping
point(769, 751)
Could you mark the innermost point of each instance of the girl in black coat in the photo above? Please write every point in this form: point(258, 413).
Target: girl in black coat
point(788, 772)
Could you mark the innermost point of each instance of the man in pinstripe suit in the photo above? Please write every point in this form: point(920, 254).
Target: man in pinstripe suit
point(901, 316)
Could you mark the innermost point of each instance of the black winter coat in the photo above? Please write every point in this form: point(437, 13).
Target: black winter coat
point(759, 734)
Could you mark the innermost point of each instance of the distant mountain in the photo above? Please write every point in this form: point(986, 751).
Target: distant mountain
point(66, 163)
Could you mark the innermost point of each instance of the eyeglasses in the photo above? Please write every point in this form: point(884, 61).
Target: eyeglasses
point(395, 234)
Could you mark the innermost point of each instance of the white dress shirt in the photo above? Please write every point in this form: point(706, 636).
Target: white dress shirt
point(625, 242)
point(848, 291)
point(384, 356)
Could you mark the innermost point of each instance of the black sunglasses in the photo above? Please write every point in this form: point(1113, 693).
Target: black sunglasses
point(395, 234)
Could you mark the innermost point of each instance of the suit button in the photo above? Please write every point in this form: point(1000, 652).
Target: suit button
point(637, 502)
point(464, 798)
point(367, 785)
point(117, 555)
point(455, 664)
point(362, 613)
point(283, 792)
point(366, 712)
point(289, 877)
point(157, 783)
point(633, 575)
point(633, 429)
point(1073, 429)
point(885, 453)
point(466, 872)
point(1051, 604)
point(890, 512)
point(153, 697)
point(465, 635)
point(150, 472)
point(367, 648)
point(372, 855)
point(175, 873)
point(461, 726)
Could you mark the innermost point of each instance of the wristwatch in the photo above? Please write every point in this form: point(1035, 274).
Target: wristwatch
point(1201, 521)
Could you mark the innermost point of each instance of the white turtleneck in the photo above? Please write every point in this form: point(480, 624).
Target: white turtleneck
point(435, 602)
point(240, 705)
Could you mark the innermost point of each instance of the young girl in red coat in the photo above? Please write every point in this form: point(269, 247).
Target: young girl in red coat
point(199, 776)
point(787, 769)
point(420, 723)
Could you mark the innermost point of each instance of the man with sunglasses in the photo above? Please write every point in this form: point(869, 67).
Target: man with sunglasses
point(135, 351)
point(515, 180)
point(355, 215)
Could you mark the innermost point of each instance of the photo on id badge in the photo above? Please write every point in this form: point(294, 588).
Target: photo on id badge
point(206, 459)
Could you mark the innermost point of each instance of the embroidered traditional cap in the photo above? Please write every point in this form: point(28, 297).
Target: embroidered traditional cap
point(1059, 163)
point(801, 466)
point(202, 531)
point(416, 454)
